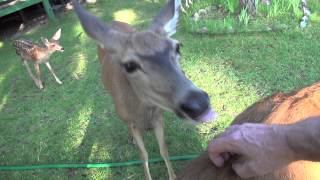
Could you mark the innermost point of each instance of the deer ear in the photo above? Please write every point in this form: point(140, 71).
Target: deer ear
point(166, 21)
point(99, 31)
point(45, 41)
point(57, 35)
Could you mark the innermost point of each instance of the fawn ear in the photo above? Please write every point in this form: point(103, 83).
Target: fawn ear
point(57, 35)
point(166, 21)
point(45, 41)
point(99, 31)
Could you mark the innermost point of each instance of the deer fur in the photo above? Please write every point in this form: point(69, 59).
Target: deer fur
point(277, 109)
point(141, 71)
point(38, 54)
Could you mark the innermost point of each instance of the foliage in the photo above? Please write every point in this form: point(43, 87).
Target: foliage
point(244, 17)
point(77, 123)
point(279, 15)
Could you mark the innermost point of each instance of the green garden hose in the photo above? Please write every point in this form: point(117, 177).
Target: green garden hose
point(98, 165)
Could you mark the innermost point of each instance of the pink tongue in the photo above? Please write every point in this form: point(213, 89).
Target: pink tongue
point(209, 116)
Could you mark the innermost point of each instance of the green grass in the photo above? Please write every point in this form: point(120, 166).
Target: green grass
point(77, 123)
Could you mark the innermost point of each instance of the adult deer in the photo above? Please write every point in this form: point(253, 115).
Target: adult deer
point(141, 71)
point(38, 54)
point(277, 109)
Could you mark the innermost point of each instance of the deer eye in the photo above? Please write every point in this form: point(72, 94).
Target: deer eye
point(131, 66)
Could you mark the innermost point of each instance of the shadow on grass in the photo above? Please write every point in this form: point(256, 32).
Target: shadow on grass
point(77, 123)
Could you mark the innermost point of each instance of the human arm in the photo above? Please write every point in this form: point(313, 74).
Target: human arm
point(261, 148)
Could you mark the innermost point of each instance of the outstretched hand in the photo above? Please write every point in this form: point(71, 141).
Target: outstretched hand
point(260, 149)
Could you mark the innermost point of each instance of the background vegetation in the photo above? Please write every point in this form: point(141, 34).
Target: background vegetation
point(227, 16)
point(76, 122)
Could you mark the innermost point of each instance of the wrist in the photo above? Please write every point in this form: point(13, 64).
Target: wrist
point(303, 139)
point(285, 133)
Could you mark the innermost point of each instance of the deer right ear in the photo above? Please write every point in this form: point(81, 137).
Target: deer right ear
point(166, 21)
point(99, 31)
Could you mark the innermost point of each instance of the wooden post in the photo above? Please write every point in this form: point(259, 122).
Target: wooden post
point(48, 9)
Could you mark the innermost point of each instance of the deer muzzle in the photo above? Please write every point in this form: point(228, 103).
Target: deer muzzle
point(196, 106)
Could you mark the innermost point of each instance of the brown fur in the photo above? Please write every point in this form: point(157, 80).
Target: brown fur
point(277, 109)
point(111, 73)
point(142, 73)
point(119, 26)
point(28, 50)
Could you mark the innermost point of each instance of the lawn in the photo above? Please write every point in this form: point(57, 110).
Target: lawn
point(76, 122)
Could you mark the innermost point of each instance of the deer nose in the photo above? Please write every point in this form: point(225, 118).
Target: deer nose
point(195, 104)
point(62, 48)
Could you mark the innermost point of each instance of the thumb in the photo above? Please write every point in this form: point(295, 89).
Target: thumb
point(218, 147)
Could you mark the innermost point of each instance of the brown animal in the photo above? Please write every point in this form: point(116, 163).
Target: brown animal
point(277, 109)
point(141, 71)
point(29, 51)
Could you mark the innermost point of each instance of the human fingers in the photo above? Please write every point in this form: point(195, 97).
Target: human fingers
point(219, 150)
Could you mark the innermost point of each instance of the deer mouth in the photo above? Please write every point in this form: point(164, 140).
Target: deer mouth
point(208, 116)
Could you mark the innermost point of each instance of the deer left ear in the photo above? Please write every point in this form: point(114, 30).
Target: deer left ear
point(57, 35)
point(166, 21)
point(45, 41)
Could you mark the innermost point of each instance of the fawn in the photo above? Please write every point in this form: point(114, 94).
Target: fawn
point(29, 51)
point(141, 71)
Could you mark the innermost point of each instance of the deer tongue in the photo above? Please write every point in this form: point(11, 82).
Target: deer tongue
point(208, 116)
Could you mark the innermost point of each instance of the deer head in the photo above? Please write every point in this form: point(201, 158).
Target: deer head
point(53, 44)
point(150, 62)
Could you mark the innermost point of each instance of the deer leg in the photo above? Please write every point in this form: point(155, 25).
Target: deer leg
point(52, 72)
point(37, 68)
point(158, 130)
point(35, 80)
point(143, 153)
point(131, 140)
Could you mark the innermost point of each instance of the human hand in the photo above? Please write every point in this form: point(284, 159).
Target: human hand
point(260, 148)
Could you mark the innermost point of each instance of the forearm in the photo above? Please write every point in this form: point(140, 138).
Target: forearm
point(303, 139)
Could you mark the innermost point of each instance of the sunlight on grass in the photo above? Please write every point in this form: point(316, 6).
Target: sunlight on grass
point(1, 44)
point(78, 128)
point(125, 15)
point(81, 65)
point(4, 101)
point(315, 17)
point(5, 75)
point(99, 151)
point(2, 77)
point(77, 28)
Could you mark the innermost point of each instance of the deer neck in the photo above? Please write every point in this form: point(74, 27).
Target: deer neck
point(44, 53)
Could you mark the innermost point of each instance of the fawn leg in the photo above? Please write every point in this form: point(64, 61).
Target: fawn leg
point(30, 73)
point(52, 72)
point(37, 68)
point(158, 130)
point(143, 153)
